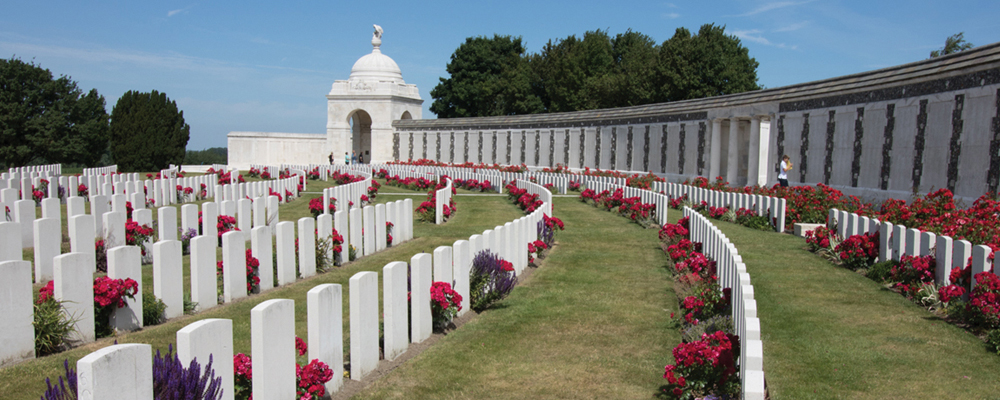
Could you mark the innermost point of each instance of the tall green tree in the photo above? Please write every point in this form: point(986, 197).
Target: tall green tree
point(489, 77)
point(710, 63)
point(147, 132)
point(46, 120)
point(569, 72)
point(953, 44)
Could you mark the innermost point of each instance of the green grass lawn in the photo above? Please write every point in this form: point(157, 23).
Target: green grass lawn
point(592, 322)
point(830, 333)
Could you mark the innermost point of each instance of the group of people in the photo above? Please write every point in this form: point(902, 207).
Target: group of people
point(350, 158)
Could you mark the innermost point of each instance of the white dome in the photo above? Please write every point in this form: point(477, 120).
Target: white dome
point(376, 67)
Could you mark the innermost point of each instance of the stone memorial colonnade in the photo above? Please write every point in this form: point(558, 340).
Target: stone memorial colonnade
point(887, 133)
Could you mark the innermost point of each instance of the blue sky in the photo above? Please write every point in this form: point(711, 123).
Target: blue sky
point(267, 65)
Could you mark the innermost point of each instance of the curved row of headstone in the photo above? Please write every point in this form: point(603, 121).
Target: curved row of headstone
point(273, 321)
point(733, 275)
point(661, 201)
point(106, 170)
point(51, 169)
point(442, 197)
point(769, 206)
point(896, 241)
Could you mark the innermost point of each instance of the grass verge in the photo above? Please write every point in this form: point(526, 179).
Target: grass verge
point(591, 323)
point(830, 333)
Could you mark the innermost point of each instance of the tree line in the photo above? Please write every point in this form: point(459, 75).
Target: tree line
point(496, 76)
point(46, 120)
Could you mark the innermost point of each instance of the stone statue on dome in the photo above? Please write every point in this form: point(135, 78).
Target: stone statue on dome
point(378, 31)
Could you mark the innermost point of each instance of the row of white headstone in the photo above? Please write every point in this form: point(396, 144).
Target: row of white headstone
point(896, 241)
point(661, 201)
point(733, 275)
point(442, 198)
point(110, 169)
point(769, 206)
point(272, 322)
point(72, 273)
point(51, 169)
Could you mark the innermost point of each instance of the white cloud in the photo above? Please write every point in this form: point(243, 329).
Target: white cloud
point(773, 6)
point(106, 56)
point(754, 35)
point(671, 15)
point(793, 27)
point(172, 13)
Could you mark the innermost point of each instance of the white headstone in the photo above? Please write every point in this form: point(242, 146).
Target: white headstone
point(272, 342)
point(395, 309)
point(234, 266)
point(204, 283)
point(167, 221)
point(286, 252)
point(307, 246)
point(121, 371)
point(463, 267)
point(125, 262)
point(74, 284)
point(168, 275)
point(260, 246)
point(209, 340)
point(17, 333)
point(326, 330)
point(421, 325)
point(369, 230)
point(48, 238)
point(442, 265)
point(364, 324)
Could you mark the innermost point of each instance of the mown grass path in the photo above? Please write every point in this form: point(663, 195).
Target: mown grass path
point(830, 333)
point(591, 322)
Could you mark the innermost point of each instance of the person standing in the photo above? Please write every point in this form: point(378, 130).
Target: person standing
point(347, 159)
point(331, 158)
point(786, 165)
point(354, 158)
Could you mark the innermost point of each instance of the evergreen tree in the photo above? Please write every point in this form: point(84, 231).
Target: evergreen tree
point(489, 77)
point(45, 120)
point(147, 132)
point(953, 44)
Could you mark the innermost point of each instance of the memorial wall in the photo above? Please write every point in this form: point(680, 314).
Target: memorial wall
point(891, 132)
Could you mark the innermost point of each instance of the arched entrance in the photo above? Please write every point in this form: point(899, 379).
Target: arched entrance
point(406, 115)
point(361, 135)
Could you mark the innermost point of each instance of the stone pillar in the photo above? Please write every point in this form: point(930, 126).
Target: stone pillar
point(395, 309)
point(715, 161)
point(733, 155)
point(753, 166)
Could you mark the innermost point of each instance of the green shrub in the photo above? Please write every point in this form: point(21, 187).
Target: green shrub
point(152, 310)
point(755, 222)
point(717, 323)
point(880, 271)
point(52, 327)
point(993, 341)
